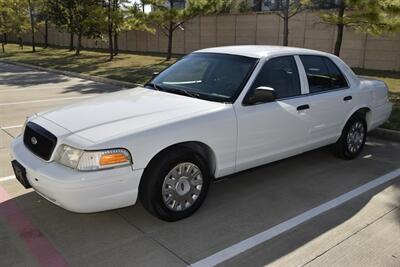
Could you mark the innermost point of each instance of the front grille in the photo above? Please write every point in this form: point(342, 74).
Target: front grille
point(40, 141)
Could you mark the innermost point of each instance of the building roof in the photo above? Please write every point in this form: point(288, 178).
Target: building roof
point(259, 51)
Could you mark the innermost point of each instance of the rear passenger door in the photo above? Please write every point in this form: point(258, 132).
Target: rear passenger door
point(329, 98)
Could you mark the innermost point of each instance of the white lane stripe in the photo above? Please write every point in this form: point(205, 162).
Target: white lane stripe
point(11, 127)
point(262, 237)
point(7, 178)
point(43, 100)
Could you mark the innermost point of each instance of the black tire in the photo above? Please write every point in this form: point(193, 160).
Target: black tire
point(345, 148)
point(151, 185)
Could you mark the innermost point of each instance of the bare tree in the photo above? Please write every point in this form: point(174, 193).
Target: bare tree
point(32, 20)
point(286, 10)
point(168, 17)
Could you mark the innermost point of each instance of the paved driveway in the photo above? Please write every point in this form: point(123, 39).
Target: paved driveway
point(290, 213)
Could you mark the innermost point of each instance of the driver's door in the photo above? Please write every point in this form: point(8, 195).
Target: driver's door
point(274, 130)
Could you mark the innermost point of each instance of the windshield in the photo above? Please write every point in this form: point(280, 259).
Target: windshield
point(215, 77)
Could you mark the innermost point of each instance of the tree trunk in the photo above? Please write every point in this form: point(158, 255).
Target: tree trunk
point(71, 29)
point(110, 45)
point(3, 41)
point(46, 33)
point(5, 38)
point(21, 43)
point(170, 33)
point(32, 26)
point(170, 37)
point(286, 23)
point(116, 8)
point(79, 44)
point(340, 28)
point(2, 44)
point(110, 32)
point(71, 40)
point(116, 47)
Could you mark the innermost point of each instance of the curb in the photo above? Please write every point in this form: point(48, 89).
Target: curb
point(387, 134)
point(75, 74)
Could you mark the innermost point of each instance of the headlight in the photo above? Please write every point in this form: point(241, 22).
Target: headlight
point(92, 160)
point(68, 156)
point(103, 159)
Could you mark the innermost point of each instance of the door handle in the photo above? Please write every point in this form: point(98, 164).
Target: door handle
point(303, 107)
point(347, 98)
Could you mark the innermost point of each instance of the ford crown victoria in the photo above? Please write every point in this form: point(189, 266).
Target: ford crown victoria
point(215, 112)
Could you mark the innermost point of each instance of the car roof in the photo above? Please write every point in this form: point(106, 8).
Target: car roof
point(260, 51)
point(265, 51)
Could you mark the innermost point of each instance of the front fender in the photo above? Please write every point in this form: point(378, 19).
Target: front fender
point(217, 130)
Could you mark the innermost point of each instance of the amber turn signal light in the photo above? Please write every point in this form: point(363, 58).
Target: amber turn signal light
point(114, 158)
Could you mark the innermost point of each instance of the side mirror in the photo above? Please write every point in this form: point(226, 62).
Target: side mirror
point(261, 94)
point(155, 74)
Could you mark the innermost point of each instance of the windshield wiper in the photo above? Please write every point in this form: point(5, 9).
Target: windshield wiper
point(180, 91)
point(154, 86)
point(183, 91)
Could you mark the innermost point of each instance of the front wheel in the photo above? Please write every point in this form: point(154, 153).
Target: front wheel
point(175, 184)
point(352, 140)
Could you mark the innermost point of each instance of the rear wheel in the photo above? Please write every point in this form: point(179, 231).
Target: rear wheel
point(174, 184)
point(352, 140)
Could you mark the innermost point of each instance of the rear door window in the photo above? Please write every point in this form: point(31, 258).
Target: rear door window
point(322, 74)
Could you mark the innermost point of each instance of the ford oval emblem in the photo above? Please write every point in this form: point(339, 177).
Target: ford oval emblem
point(33, 140)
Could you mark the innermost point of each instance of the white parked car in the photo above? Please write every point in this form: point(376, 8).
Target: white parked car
point(215, 112)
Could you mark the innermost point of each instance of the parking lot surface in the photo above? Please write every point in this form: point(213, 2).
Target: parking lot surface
point(362, 231)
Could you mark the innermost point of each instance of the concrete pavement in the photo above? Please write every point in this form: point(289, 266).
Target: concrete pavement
point(363, 231)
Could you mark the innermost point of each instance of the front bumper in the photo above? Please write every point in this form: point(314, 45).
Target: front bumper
point(75, 190)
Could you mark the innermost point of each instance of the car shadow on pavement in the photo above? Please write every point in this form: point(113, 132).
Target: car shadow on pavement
point(236, 208)
point(319, 235)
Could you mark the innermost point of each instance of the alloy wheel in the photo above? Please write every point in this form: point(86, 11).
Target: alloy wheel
point(355, 137)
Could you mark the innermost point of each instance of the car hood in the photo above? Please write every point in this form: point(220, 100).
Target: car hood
point(100, 117)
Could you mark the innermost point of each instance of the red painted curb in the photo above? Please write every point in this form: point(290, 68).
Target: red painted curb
point(45, 253)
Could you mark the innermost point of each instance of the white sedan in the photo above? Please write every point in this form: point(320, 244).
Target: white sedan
point(215, 112)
